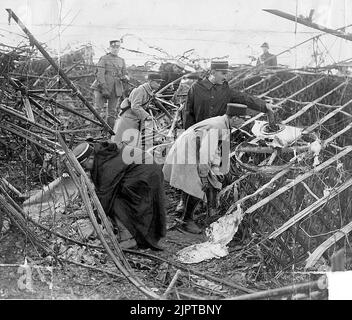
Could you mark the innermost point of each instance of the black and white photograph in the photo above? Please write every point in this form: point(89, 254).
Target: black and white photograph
point(173, 155)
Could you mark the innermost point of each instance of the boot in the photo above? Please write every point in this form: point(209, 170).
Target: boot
point(156, 247)
point(128, 244)
point(191, 227)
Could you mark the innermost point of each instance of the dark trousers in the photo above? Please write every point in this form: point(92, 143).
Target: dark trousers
point(191, 202)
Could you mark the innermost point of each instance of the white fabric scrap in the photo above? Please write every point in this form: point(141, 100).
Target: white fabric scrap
point(278, 139)
point(52, 198)
point(219, 234)
point(315, 148)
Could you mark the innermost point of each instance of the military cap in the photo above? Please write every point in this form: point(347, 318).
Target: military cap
point(114, 43)
point(83, 151)
point(219, 65)
point(265, 45)
point(236, 109)
point(155, 77)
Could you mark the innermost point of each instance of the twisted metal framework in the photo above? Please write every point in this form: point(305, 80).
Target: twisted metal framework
point(300, 214)
point(297, 216)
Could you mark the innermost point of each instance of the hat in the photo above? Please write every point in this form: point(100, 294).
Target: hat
point(113, 43)
point(265, 45)
point(219, 65)
point(236, 109)
point(155, 77)
point(82, 151)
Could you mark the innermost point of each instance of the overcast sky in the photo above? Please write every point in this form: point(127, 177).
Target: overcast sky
point(211, 27)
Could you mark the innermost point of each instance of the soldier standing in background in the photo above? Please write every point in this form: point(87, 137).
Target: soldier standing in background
point(267, 59)
point(108, 85)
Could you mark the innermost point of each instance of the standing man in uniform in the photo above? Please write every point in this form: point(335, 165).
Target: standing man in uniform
point(267, 59)
point(108, 85)
point(209, 97)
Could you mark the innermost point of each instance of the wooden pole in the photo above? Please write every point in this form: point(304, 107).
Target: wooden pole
point(63, 75)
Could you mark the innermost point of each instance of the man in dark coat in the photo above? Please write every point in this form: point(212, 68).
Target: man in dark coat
point(130, 188)
point(208, 98)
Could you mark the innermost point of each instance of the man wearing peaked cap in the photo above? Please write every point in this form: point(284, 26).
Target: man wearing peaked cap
point(108, 86)
point(130, 190)
point(267, 59)
point(115, 43)
point(209, 97)
point(198, 157)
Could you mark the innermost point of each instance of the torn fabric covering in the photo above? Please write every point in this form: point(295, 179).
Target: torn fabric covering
point(219, 234)
point(55, 196)
point(279, 139)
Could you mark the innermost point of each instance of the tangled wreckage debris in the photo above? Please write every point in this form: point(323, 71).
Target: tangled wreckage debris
point(285, 200)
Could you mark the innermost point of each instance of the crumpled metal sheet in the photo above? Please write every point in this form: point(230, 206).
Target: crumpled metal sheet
point(279, 139)
point(52, 198)
point(219, 234)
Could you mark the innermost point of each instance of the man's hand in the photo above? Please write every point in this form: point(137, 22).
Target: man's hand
point(205, 183)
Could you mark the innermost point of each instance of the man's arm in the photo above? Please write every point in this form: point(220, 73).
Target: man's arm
point(137, 98)
point(189, 110)
point(250, 101)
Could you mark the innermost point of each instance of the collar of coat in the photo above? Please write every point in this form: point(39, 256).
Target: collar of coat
point(208, 84)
